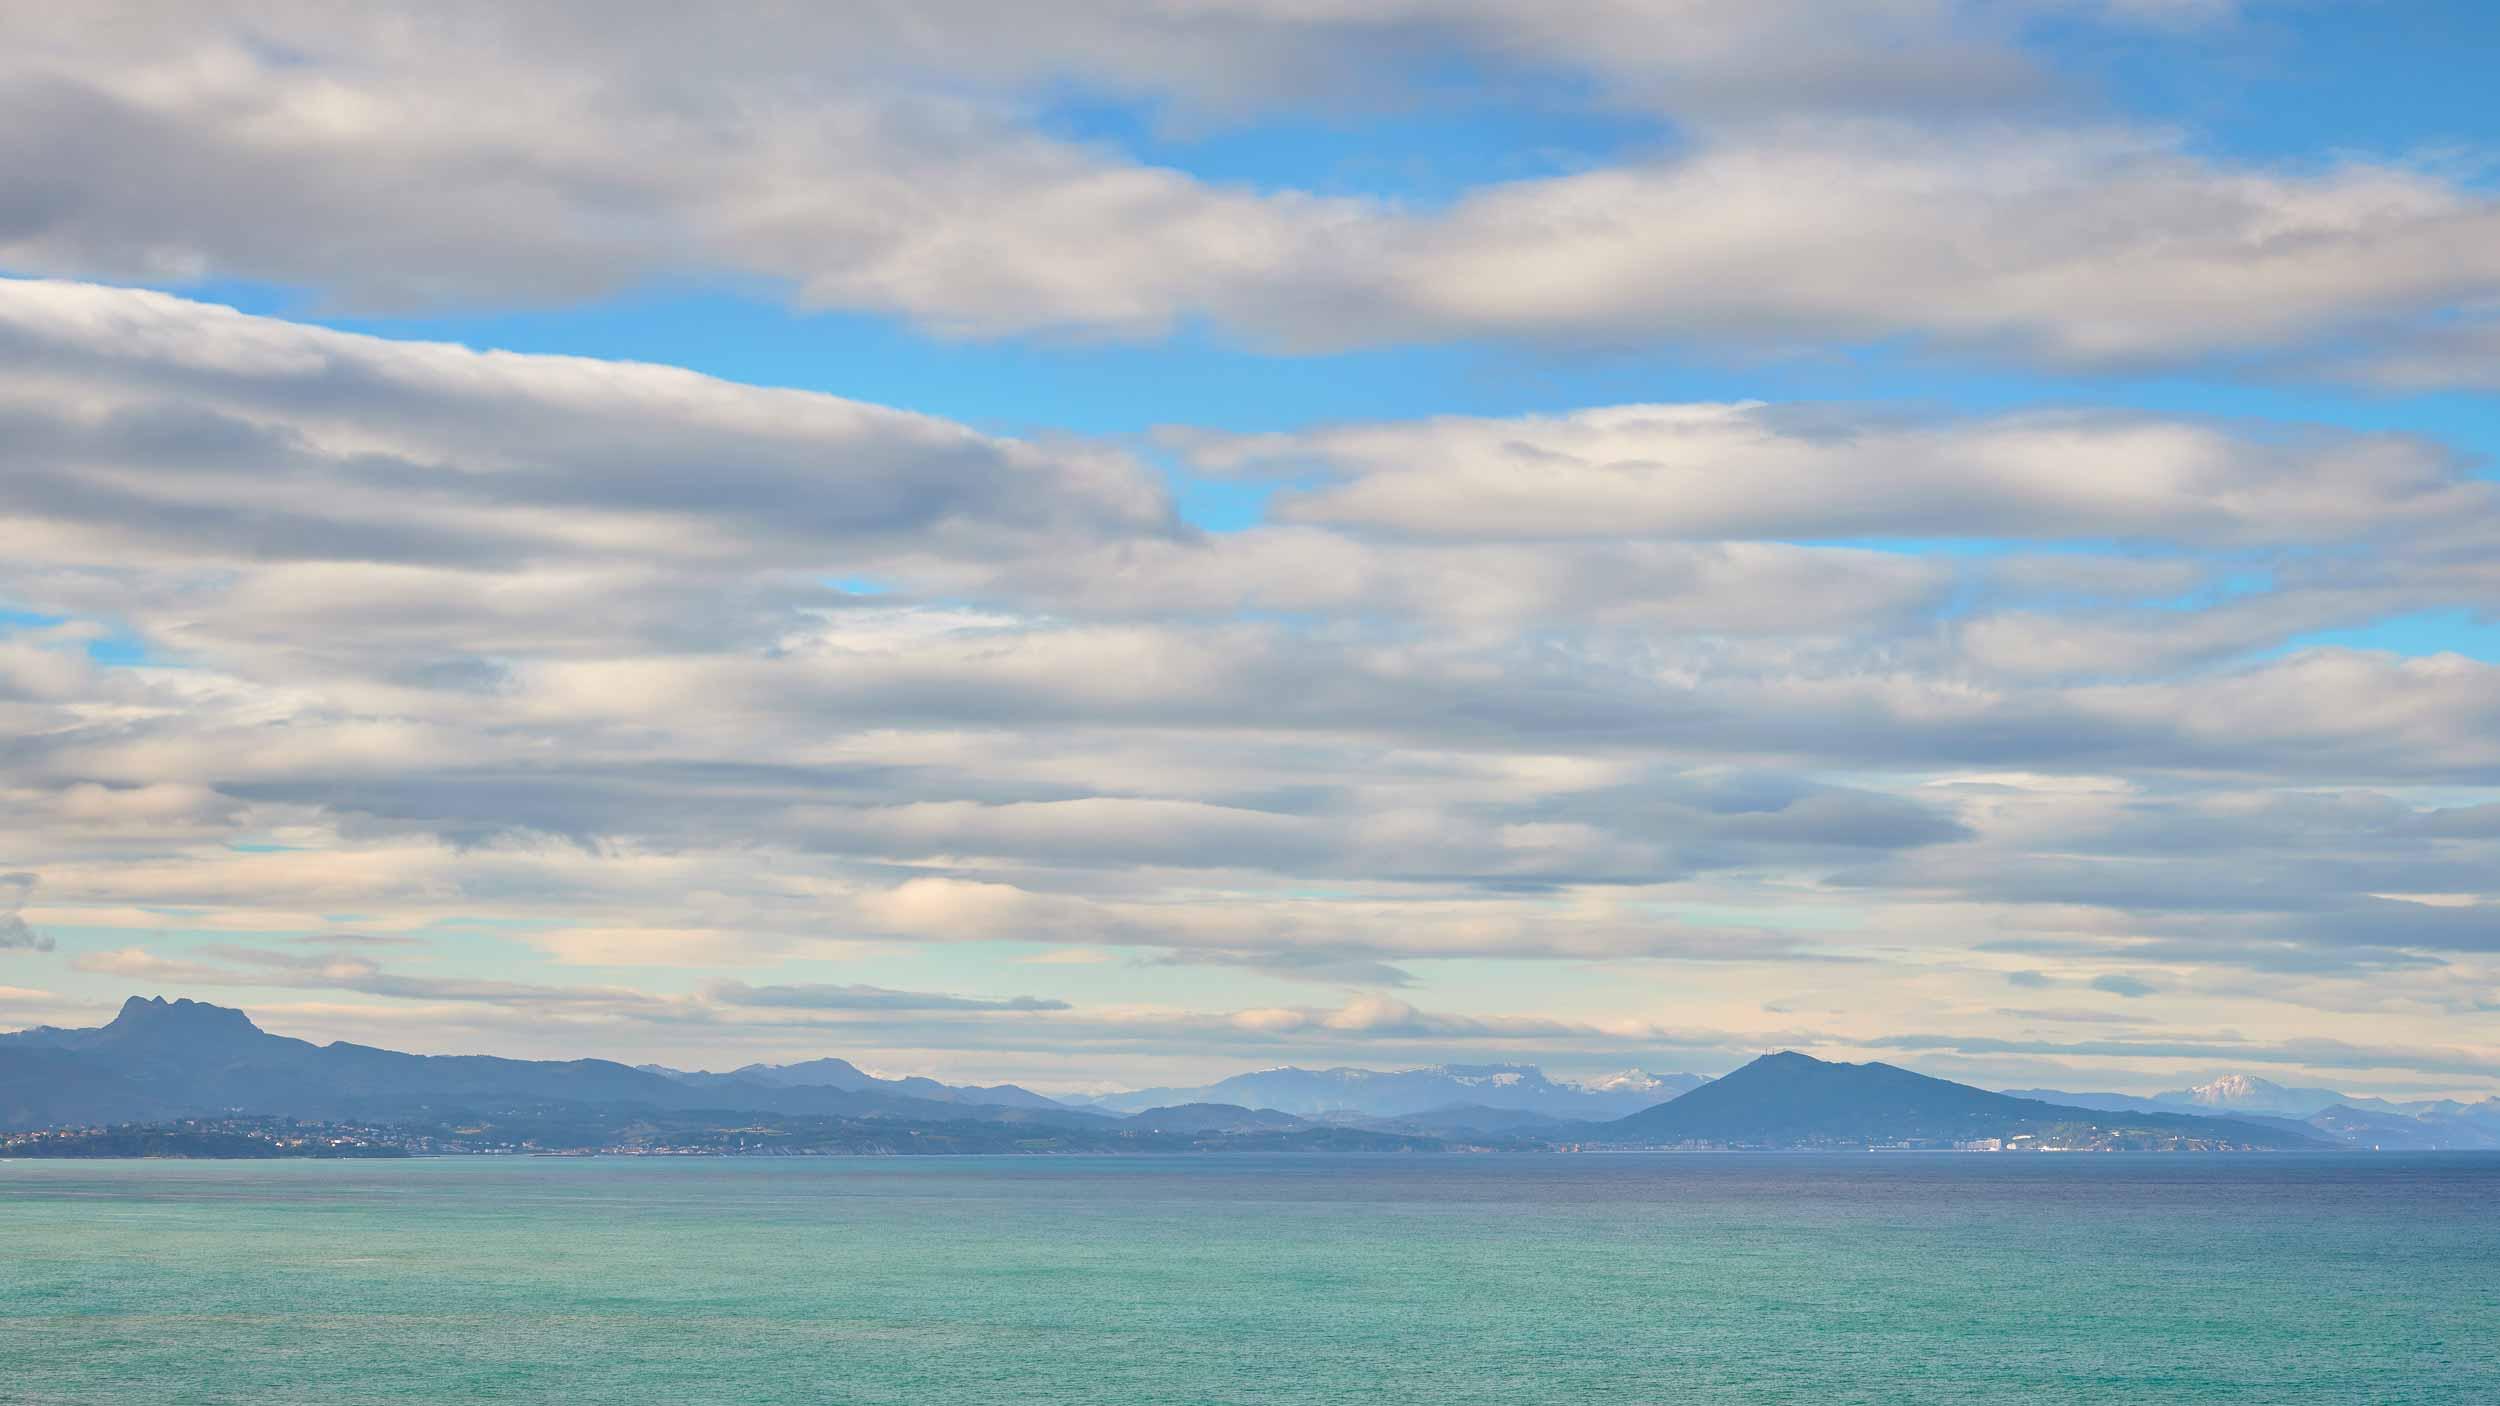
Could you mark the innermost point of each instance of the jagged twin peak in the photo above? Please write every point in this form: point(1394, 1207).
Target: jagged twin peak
point(156, 1017)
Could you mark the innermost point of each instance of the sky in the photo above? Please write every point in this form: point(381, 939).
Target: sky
point(1114, 543)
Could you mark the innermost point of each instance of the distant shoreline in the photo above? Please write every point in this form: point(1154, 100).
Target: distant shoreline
point(1211, 1154)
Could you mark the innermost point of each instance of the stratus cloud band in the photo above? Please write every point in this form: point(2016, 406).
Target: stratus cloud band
point(868, 162)
point(408, 638)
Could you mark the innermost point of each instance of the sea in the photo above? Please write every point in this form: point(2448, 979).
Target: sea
point(1509, 1280)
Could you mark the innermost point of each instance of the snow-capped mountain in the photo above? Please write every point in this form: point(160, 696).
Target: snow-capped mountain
point(2246, 1093)
point(1641, 1081)
point(1396, 1093)
point(2232, 1093)
point(2362, 1122)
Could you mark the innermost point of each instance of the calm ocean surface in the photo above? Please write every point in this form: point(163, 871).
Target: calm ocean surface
point(1511, 1280)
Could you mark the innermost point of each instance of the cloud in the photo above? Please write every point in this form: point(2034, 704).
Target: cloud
point(2076, 247)
point(204, 436)
point(2064, 1016)
point(818, 997)
point(258, 967)
point(2313, 1054)
point(1387, 1018)
point(735, 1014)
point(1314, 935)
point(2460, 352)
point(879, 166)
point(1342, 968)
point(139, 964)
point(513, 666)
point(14, 931)
point(524, 665)
point(1749, 471)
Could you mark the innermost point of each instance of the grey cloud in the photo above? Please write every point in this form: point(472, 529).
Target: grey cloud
point(1347, 968)
point(2370, 921)
point(2460, 822)
point(2321, 1054)
point(1701, 58)
point(2181, 280)
point(14, 930)
point(2099, 578)
point(2439, 354)
point(2325, 716)
point(262, 967)
point(1390, 922)
point(453, 681)
point(1848, 819)
point(2329, 872)
point(2122, 984)
point(820, 997)
point(675, 801)
point(2255, 953)
point(878, 184)
point(624, 1019)
point(462, 458)
point(513, 993)
point(1725, 588)
point(1217, 62)
point(1750, 472)
point(1637, 834)
point(2065, 1016)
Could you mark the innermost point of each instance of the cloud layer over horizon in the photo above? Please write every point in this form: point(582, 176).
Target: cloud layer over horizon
point(407, 691)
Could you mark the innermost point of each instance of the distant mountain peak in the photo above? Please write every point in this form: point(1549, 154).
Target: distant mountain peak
point(1626, 1082)
point(1498, 1076)
point(1398, 1093)
point(827, 1071)
point(2247, 1093)
point(2233, 1088)
point(156, 1015)
point(1791, 1099)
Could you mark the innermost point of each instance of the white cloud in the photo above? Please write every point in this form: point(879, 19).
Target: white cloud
point(14, 930)
point(864, 163)
point(530, 662)
point(1747, 471)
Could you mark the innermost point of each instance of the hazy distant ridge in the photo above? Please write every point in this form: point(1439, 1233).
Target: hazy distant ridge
point(1318, 1093)
point(161, 1060)
point(169, 1059)
point(1793, 1100)
point(2425, 1125)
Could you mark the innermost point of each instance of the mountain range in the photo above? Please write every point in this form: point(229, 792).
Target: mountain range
point(1370, 1093)
point(1792, 1100)
point(2425, 1125)
point(170, 1059)
point(842, 1074)
point(164, 1060)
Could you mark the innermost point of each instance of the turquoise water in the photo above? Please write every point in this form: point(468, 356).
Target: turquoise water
point(1440, 1280)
